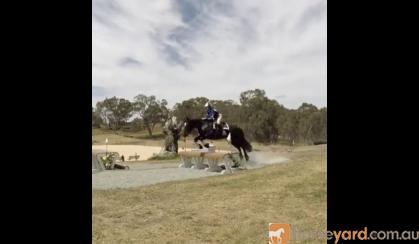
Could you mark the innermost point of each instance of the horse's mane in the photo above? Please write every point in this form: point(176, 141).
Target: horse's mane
point(193, 120)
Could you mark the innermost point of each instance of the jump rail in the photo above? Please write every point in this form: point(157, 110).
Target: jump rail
point(196, 159)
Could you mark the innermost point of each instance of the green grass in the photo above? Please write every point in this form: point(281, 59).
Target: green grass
point(163, 158)
point(222, 209)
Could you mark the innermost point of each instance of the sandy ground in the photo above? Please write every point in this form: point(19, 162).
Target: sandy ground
point(145, 152)
point(141, 174)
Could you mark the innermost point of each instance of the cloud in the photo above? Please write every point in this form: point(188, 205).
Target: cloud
point(129, 62)
point(98, 91)
point(312, 14)
point(188, 48)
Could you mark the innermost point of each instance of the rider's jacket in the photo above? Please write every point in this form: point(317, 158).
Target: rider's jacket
point(212, 114)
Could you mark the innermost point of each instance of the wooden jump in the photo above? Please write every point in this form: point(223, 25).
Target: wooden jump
point(212, 155)
point(195, 159)
point(191, 154)
point(190, 158)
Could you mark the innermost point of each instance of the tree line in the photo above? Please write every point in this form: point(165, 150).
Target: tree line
point(263, 119)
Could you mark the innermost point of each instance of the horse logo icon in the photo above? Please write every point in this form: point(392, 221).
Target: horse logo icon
point(279, 233)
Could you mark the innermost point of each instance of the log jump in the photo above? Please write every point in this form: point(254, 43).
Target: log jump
point(210, 161)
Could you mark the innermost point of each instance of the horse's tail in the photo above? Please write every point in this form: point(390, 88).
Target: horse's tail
point(241, 139)
point(246, 145)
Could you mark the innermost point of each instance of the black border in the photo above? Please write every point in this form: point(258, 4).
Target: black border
point(47, 113)
point(371, 130)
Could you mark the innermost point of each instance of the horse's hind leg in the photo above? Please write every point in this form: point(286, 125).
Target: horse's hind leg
point(243, 162)
point(240, 152)
point(245, 155)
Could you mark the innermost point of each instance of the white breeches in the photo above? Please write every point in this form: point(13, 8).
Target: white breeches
point(219, 118)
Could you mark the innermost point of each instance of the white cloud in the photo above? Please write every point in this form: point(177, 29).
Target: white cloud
point(188, 48)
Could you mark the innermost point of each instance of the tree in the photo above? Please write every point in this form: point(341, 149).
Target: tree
point(102, 113)
point(229, 109)
point(115, 111)
point(96, 119)
point(306, 121)
point(259, 115)
point(192, 108)
point(318, 121)
point(151, 110)
point(263, 119)
point(251, 96)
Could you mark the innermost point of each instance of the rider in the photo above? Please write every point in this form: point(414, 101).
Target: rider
point(213, 115)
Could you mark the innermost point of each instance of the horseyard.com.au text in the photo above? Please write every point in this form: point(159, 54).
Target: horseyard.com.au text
point(282, 233)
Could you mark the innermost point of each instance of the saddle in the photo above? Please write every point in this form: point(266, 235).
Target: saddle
point(221, 129)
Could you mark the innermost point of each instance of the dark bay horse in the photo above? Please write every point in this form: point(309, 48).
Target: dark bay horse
point(232, 134)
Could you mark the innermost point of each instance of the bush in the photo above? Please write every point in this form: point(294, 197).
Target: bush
point(164, 156)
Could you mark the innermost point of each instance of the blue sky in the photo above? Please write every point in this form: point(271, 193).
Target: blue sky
point(181, 49)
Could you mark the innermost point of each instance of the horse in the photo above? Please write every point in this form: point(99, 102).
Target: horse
point(232, 134)
point(276, 236)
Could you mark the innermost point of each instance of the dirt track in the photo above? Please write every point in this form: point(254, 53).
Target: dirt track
point(141, 174)
point(145, 152)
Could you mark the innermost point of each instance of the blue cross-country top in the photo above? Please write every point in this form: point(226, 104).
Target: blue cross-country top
point(212, 114)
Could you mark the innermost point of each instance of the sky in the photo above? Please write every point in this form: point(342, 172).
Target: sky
point(181, 49)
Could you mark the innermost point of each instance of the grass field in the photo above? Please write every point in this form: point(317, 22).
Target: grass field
point(222, 209)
